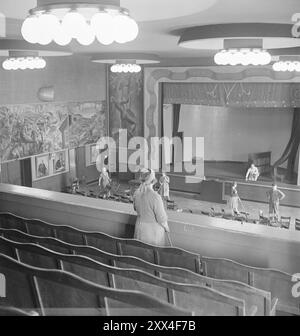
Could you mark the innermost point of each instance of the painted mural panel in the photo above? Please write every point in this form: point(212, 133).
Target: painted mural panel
point(126, 104)
point(87, 122)
point(27, 130)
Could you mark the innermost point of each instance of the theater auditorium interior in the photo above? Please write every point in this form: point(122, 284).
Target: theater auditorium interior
point(113, 113)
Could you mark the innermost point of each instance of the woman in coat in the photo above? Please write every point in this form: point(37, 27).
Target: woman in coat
point(152, 222)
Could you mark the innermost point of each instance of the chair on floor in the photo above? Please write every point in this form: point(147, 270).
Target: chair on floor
point(297, 224)
point(38, 256)
point(272, 280)
point(54, 292)
point(167, 256)
point(273, 221)
point(203, 297)
point(285, 222)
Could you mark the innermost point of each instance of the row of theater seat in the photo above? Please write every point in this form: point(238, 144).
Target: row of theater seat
point(223, 288)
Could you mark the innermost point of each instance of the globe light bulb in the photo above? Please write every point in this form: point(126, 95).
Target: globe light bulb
point(22, 64)
point(30, 30)
point(30, 63)
point(106, 37)
point(265, 58)
point(220, 58)
point(86, 36)
point(14, 64)
point(297, 66)
point(73, 23)
point(284, 66)
point(41, 63)
point(120, 26)
point(255, 56)
point(124, 28)
point(48, 26)
point(138, 68)
point(290, 66)
point(132, 29)
point(6, 65)
point(61, 37)
point(276, 66)
point(102, 25)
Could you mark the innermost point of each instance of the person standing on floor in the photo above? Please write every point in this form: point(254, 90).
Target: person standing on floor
point(234, 200)
point(274, 196)
point(164, 189)
point(152, 222)
point(104, 183)
point(252, 173)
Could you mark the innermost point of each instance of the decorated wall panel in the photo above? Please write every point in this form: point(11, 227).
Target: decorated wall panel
point(32, 129)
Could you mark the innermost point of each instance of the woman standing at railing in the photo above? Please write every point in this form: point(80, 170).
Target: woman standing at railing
point(152, 222)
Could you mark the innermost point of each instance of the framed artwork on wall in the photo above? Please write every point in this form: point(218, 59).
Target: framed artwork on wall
point(59, 162)
point(41, 166)
point(91, 153)
point(94, 153)
point(50, 164)
point(126, 104)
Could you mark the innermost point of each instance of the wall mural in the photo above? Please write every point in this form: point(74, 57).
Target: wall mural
point(126, 104)
point(27, 130)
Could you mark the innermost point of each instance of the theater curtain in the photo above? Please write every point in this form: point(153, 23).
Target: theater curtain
point(176, 120)
point(233, 94)
point(290, 152)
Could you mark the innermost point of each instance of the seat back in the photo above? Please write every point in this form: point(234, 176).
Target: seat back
point(277, 282)
point(167, 256)
point(285, 222)
point(12, 311)
point(297, 224)
point(198, 298)
point(54, 292)
point(111, 276)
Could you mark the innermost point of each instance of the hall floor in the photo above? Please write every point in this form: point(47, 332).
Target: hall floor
point(189, 201)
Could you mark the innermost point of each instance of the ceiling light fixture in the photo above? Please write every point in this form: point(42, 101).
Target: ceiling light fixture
point(243, 56)
point(23, 63)
point(287, 66)
point(287, 63)
point(243, 52)
point(125, 68)
point(82, 21)
point(23, 60)
point(126, 62)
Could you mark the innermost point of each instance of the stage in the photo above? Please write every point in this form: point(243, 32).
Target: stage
point(215, 187)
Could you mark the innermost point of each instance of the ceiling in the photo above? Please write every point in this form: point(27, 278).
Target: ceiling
point(161, 21)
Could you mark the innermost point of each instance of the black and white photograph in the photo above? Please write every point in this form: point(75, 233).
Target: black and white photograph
point(42, 166)
point(149, 163)
point(59, 163)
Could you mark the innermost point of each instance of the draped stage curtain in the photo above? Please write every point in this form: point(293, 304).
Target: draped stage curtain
point(176, 120)
point(233, 94)
point(290, 152)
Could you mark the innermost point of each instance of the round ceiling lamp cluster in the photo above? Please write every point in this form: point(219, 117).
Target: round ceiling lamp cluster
point(125, 68)
point(126, 62)
point(23, 63)
point(243, 56)
point(83, 22)
point(287, 63)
